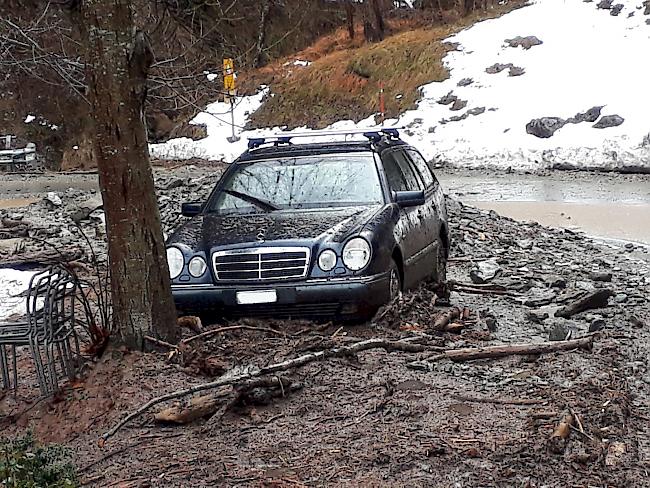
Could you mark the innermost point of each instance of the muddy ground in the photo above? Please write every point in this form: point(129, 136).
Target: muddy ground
point(379, 418)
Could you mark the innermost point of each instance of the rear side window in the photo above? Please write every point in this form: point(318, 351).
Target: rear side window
point(422, 167)
point(413, 181)
point(394, 175)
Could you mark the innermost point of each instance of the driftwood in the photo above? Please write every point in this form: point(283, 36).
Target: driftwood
point(445, 318)
point(484, 289)
point(197, 408)
point(558, 439)
point(595, 299)
point(491, 352)
point(267, 370)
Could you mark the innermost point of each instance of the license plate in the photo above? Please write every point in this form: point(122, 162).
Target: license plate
point(256, 296)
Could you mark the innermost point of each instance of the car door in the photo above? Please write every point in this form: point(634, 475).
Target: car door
point(431, 210)
point(410, 229)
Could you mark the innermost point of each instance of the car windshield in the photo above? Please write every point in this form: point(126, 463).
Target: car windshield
point(303, 182)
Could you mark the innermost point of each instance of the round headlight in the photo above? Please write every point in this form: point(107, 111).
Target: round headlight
point(175, 261)
point(327, 260)
point(197, 266)
point(356, 254)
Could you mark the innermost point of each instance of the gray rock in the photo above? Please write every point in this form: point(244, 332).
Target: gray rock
point(458, 104)
point(544, 127)
point(605, 4)
point(596, 325)
point(600, 276)
point(476, 111)
point(448, 99)
point(537, 316)
point(609, 121)
point(525, 42)
point(616, 9)
point(538, 297)
point(516, 71)
point(485, 271)
point(590, 115)
point(559, 332)
point(525, 243)
point(465, 82)
point(620, 298)
point(556, 281)
point(53, 199)
point(86, 207)
point(497, 68)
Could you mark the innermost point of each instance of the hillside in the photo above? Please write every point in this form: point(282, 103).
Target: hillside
point(527, 90)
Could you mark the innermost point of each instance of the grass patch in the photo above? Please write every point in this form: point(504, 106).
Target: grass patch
point(24, 464)
point(344, 83)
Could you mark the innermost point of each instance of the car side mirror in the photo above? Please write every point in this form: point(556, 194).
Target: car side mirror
point(191, 209)
point(409, 198)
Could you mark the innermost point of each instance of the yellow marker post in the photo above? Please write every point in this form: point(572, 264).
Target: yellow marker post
point(230, 92)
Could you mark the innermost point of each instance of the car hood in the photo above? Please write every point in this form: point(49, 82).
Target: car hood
point(205, 232)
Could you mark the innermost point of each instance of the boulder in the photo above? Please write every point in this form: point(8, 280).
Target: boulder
point(83, 209)
point(53, 199)
point(544, 127)
point(448, 99)
point(590, 115)
point(525, 42)
point(608, 121)
point(458, 104)
point(485, 271)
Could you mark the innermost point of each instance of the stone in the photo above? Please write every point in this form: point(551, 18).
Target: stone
point(596, 325)
point(497, 68)
point(556, 281)
point(605, 4)
point(620, 298)
point(616, 9)
point(590, 115)
point(485, 271)
point(559, 332)
point(448, 99)
point(516, 71)
point(476, 111)
point(525, 243)
point(458, 104)
point(537, 316)
point(465, 82)
point(538, 297)
point(525, 42)
point(608, 121)
point(600, 276)
point(544, 127)
point(53, 199)
point(86, 207)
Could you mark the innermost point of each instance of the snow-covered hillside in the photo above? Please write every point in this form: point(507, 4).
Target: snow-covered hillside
point(591, 63)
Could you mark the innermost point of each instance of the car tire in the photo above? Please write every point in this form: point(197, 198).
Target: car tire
point(440, 275)
point(394, 281)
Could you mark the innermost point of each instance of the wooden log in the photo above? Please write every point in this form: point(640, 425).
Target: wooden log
point(445, 318)
point(491, 352)
point(595, 299)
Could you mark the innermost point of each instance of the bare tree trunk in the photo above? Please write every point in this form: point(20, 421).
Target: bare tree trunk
point(349, 10)
point(118, 58)
point(261, 36)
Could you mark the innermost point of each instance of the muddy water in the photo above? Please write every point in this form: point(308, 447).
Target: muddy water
point(607, 206)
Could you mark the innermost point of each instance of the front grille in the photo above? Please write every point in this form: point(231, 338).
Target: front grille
point(274, 310)
point(261, 263)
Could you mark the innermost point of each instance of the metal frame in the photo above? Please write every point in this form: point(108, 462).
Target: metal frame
point(373, 134)
point(260, 251)
point(49, 332)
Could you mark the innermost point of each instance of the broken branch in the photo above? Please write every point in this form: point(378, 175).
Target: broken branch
point(273, 368)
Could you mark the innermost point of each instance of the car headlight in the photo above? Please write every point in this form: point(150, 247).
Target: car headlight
point(356, 254)
point(327, 260)
point(197, 266)
point(175, 261)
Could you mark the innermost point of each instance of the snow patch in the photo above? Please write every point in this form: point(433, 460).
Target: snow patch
point(586, 58)
point(12, 283)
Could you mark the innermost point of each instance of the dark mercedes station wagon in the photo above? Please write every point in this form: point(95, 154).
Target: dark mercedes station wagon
point(331, 230)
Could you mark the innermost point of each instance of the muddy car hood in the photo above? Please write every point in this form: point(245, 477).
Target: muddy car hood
point(206, 232)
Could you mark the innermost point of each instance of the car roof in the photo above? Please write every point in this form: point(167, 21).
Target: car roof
point(284, 150)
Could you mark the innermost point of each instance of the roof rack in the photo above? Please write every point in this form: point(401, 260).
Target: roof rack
point(374, 135)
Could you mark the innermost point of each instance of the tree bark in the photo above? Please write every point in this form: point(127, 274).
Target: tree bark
point(117, 61)
point(349, 10)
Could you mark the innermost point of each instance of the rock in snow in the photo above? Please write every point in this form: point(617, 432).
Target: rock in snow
point(525, 42)
point(544, 127)
point(609, 121)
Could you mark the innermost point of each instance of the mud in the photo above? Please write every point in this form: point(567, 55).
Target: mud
point(374, 420)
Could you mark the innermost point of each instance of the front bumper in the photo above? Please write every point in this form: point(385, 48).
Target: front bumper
point(339, 297)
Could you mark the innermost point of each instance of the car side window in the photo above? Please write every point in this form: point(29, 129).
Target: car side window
point(427, 176)
point(394, 175)
point(413, 181)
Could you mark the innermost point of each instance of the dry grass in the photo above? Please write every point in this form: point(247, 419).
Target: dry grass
point(343, 80)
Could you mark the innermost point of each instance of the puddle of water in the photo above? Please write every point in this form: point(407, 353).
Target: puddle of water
point(17, 202)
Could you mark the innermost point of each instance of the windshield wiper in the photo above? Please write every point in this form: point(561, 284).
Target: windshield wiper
point(258, 202)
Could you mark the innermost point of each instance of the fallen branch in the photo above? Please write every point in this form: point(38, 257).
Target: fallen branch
point(271, 369)
point(445, 318)
point(210, 333)
point(473, 353)
point(595, 299)
point(485, 289)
